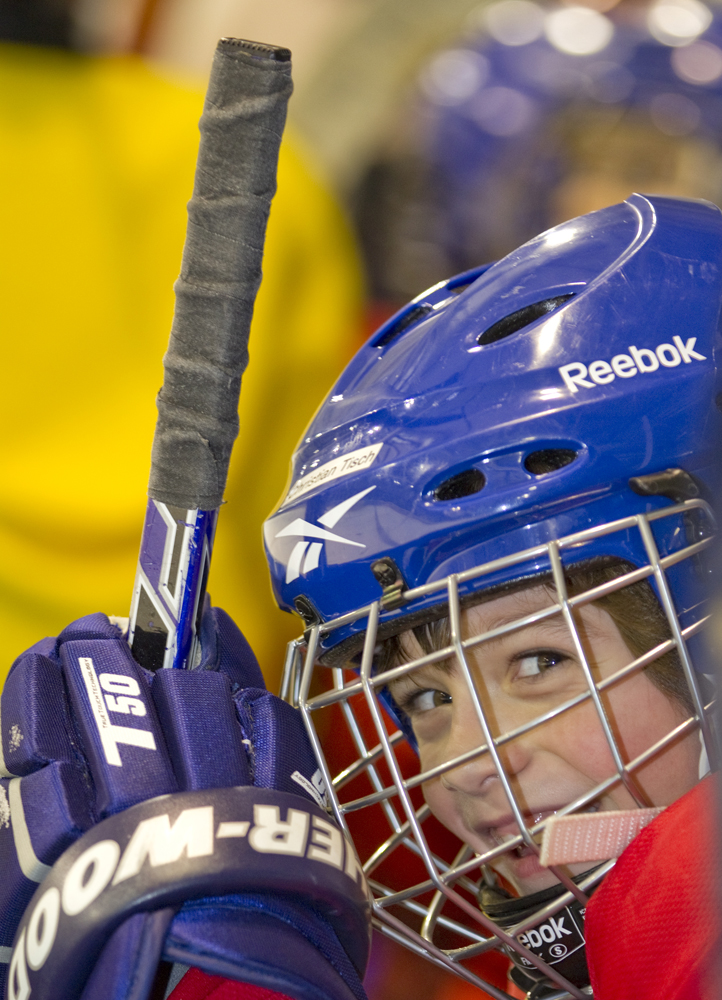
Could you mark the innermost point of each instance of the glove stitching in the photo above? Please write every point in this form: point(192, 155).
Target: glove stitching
point(247, 727)
point(79, 762)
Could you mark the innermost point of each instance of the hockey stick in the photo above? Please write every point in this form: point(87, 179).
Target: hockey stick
point(241, 127)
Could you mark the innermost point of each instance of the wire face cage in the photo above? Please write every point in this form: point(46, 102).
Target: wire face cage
point(454, 750)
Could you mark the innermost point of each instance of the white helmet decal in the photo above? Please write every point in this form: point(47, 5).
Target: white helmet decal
point(305, 529)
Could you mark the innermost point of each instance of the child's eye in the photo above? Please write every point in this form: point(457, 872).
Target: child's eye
point(533, 664)
point(424, 701)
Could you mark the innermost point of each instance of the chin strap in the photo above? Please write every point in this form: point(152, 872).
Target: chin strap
point(592, 837)
point(559, 940)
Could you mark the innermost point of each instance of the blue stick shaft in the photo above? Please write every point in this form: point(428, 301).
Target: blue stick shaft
point(170, 583)
point(241, 130)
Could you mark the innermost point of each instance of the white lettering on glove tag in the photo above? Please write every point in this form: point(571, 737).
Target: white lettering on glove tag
point(110, 734)
point(316, 787)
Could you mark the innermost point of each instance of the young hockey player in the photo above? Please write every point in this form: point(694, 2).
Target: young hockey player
point(495, 533)
point(497, 517)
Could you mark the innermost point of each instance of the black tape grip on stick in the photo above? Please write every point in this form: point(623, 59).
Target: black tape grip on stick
point(241, 128)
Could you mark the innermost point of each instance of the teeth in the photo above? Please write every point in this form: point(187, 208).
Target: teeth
point(535, 818)
point(499, 840)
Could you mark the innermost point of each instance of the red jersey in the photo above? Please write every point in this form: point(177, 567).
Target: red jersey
point(653, 926)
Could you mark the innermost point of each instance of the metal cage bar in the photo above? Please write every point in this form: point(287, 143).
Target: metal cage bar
point(444, 878)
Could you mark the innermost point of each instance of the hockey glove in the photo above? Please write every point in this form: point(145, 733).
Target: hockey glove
point(177, 815)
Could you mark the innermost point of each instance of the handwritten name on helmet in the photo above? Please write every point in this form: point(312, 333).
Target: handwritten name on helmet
point(639, 361)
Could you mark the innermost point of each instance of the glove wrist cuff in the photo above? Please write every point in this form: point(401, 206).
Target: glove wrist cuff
point(177, 847)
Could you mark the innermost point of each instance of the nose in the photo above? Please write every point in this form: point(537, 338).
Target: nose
point(476, 776)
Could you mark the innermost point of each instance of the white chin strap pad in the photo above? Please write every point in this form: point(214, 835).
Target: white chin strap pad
point(592, 836)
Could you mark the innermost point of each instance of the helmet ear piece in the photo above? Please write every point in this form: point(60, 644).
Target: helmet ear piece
point(675, 484)
point(678, 486)
point(309, 614)
point(391, 579)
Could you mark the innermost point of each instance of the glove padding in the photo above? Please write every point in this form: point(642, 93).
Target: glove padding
point(86, 735)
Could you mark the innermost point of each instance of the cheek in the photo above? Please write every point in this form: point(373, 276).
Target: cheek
point(577, 739)
point(444, 804)
point(643, 716)
point(438, 798)
point(445, 807)
point(640, 715)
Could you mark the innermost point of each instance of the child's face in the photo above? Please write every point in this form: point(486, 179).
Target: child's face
point(521, 676)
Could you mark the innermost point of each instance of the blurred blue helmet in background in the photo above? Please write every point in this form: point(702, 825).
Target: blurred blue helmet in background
point(537, 115)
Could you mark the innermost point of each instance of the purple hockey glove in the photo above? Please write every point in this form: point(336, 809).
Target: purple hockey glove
point(175, 816)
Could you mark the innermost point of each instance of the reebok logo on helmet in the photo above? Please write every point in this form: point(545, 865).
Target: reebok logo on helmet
point(639, 361)
point(302, 561)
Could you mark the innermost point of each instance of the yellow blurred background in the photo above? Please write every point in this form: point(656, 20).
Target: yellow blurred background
point(97, 166)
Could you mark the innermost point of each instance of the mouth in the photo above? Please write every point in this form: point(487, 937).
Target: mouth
point(507, 828)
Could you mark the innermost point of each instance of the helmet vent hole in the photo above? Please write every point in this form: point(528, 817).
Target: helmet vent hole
point(522, 317)
point(403, 323)
point(539, 463)
point(463, 484)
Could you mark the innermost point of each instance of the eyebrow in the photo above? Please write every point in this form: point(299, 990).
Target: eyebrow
point(553, 624)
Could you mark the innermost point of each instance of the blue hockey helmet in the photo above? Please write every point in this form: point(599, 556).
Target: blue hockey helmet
point(509, 406)
point(554, 412)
